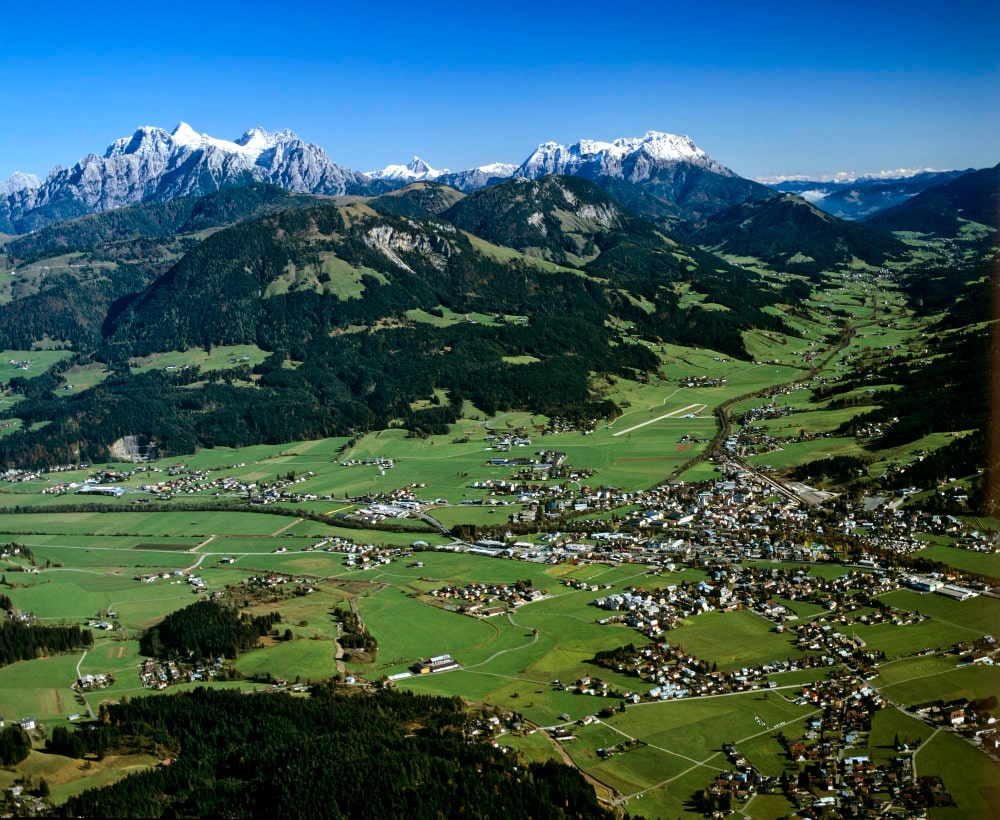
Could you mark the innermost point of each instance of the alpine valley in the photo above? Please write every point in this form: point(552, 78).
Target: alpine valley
point(612, 446)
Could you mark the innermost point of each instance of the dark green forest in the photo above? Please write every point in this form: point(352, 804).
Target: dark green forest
point(206, 630)
point(331, 755)
point(20, 641)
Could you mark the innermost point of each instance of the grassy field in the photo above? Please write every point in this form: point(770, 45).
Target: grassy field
point(970, 681)
point(972, 778)
point(733, 639)
point(683, 746)
point(223, 357)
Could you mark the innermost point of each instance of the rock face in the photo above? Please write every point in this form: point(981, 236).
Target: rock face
point(153, 164)
point(476, 178)
point(135, 449)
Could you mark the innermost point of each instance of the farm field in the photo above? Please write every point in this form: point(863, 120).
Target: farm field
point(734, 639)
point(950, 682)
point(971, 777)
point(683, 747)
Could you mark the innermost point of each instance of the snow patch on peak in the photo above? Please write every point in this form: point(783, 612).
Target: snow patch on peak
point(414, 171)
point(20, 181)
point(259, 139)
point(184, 134)
point(497, 169)
point(599, 157)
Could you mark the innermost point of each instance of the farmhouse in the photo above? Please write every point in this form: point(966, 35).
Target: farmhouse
point(439, 663)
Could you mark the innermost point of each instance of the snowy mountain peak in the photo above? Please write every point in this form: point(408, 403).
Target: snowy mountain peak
point(154, 164)
point(184, 134)
point(258, 139)
point(19, 181)
point(414, 171)
point(623, 157)
point(497, 169)
point(147, 140)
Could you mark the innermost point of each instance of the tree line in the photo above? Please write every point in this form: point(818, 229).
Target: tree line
point(20, 641)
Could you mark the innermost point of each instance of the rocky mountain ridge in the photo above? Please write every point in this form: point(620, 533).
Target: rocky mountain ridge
point(156, 165)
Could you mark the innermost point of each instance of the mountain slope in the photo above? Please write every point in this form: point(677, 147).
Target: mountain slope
point(417, 199)
point(941, 210)
point(554, 217)
point(66, 277)
point(788, 231)
point(368, 306)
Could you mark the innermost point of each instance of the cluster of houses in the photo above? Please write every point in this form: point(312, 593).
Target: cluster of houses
point(486, 600)
point(177, 576)
point(369, 555)
point(181, 481)
point(652, 613)
point(101, 680)
point(761, 590)
point(559, 424)
point(25, 804)
point(677, 674)
point(13, 550)
point(502, 442)
point(701, 381)
point(381, 462)
point(835, 780)
point(159, 674)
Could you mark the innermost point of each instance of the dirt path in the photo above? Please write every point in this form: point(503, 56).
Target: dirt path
point(613, 797)
point(276, 533)
point(90, 710)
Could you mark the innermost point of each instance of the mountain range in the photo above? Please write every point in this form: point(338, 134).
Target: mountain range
point(155, 165)
point(664, 177)
point(861, 197)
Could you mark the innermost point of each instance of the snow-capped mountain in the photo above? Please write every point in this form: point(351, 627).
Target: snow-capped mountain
point(415, 170)
point(631, 158)
point(154, 164)
point(678, 179)
point(476, 178)
point(18, 182)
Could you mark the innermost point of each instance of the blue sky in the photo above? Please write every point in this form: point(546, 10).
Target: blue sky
point(809, 87)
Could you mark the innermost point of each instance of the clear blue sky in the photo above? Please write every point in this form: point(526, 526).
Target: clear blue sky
point(807, 87)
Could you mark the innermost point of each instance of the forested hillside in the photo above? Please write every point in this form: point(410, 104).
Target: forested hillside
point(328, 756)
point(350, 304)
